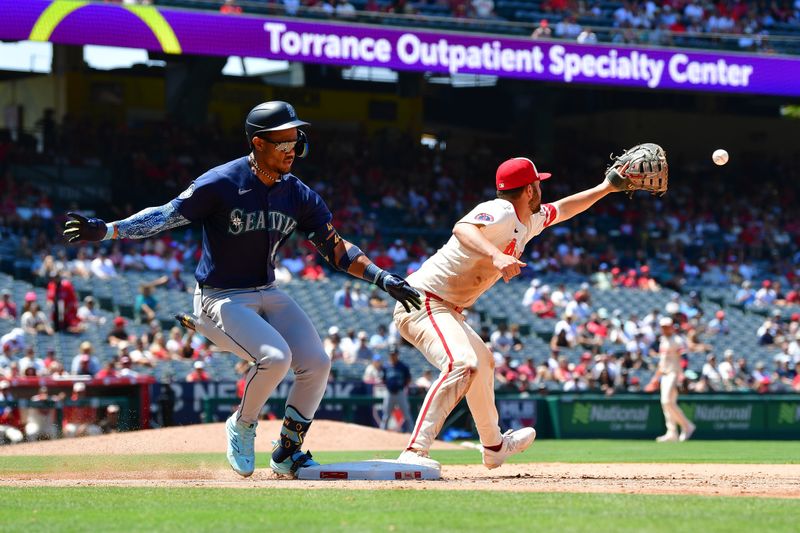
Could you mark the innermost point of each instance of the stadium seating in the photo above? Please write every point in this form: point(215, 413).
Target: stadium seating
point(500, 304)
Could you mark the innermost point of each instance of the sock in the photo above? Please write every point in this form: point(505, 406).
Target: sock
point(293, 433)
point(494, 448)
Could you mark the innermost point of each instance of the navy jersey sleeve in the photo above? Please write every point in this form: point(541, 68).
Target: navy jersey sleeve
point(313, 213)
point(200, 199)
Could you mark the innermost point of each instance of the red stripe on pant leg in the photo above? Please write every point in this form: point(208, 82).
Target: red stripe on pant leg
point(441, 380)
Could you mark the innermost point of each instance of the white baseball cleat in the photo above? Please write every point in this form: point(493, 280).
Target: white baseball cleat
point(687, 433)
point(418, 457)
point(668, 437)
point(513, 442)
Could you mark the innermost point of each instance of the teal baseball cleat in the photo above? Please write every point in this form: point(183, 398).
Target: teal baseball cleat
point(241, 446)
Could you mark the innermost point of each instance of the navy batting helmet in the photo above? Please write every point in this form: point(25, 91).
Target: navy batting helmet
point(275, 116)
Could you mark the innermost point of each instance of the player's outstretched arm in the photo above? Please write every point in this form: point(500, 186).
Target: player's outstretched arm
point(579, 202)
point(347, 257)
point(145, 223)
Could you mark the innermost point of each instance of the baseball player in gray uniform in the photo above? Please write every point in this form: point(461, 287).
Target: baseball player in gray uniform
point(248, 207)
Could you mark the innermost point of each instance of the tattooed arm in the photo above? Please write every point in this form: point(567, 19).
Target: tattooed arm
point(146, 223)
point(199, 200)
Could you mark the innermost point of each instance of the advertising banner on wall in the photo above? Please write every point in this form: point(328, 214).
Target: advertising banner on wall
point(176, 31)
point(639, 416)
point(581, 416)
point(187, 401)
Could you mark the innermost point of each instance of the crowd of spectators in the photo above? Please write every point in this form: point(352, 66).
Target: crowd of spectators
point(621, 343)
point(744, 24)
point(727, 23)
point(37, 421)
point(739, 235)
point(719, 234)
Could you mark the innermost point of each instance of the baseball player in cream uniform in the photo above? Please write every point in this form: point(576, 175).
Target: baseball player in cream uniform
point(485, 246)
point(670, 349)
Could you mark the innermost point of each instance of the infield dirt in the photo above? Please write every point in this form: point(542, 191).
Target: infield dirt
point(628, 478)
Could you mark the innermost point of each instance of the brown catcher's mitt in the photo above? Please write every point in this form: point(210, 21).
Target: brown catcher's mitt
point(641, 168)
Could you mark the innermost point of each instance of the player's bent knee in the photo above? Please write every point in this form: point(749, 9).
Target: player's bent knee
point(322, 363)
point(468, 360)
point(317, 364)
point(274, 357)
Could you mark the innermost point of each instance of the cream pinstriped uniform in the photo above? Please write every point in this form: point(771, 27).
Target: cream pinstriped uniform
point(450, 280)
point(669, 350)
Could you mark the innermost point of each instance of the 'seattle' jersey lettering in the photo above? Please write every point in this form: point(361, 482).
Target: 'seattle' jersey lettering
point(459, 275)
point(245, 222)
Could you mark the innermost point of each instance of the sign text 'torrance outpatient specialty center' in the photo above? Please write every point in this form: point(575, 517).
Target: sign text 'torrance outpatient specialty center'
point(493, 57)
point(177, 31)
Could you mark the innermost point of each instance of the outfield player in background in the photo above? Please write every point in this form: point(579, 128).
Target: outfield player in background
point(486, 245)
point(670, 348)
point(248, 207)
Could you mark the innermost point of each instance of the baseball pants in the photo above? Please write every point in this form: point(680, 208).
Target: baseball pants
point(466, 368)
point(396, 399)
point(264, 326)
point(669, 404)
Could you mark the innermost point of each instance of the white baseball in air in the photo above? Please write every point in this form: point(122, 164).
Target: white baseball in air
point(720, 156)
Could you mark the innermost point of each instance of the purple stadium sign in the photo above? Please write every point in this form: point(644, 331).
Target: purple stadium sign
point(206, 33)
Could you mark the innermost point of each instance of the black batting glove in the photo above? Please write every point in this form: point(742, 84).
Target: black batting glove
point(81, 228)
point(400, 290)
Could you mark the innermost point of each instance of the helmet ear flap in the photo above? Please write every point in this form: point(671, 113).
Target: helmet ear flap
point(302, 147)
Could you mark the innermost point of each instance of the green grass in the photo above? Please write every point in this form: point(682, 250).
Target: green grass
point(205, 509)
point(567, 451)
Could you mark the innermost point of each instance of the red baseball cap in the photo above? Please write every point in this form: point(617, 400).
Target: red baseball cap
point(517, 172)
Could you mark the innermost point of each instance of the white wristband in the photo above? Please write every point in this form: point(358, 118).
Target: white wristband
point(109, 232)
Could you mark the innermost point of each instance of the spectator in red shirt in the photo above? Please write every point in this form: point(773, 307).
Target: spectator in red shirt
point(8, 309)
point(792, 297)
point(230, 8)
point(118, 333)
point(382, 259)
point(543, 307)
point(312, 271)
point(107, 371)
point(504, 372)
point(630, 281)
point(50, 358)
point(80, 420)
point(557, 6)
point(617, 278)
point(563, 373)
point(64, 305)
point(597, 325)
point(645, 281)
point(582, 368)
point(198, 374)
point(528, 368)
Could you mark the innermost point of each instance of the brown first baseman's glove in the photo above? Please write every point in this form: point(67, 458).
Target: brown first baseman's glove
point(641, 168)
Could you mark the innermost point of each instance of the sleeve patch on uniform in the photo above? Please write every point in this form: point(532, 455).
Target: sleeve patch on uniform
point(549, 214)
point(187, 193)
point(484, 217)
